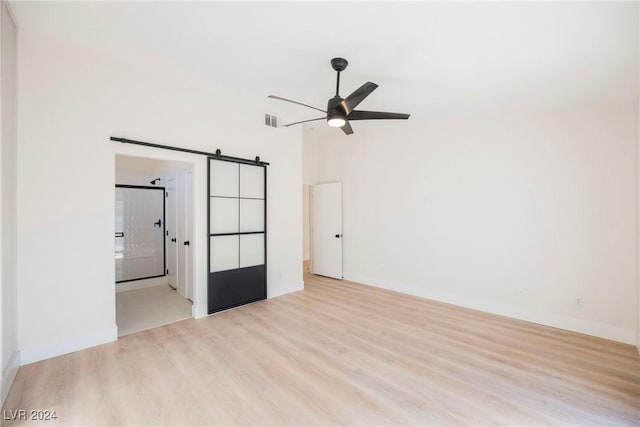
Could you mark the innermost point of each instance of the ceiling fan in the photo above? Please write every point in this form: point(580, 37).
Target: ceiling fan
point(342, 110)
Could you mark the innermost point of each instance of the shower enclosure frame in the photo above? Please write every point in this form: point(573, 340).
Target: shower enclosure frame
point(164, 230)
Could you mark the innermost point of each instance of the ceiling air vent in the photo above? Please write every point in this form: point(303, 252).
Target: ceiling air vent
point(270, 120)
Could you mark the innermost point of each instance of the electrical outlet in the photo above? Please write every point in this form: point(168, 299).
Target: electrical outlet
point(580, 302)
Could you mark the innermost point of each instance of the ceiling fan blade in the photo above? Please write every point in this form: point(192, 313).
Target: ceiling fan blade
point(304, 121)
point(376, 115)
point(347, 128)
point(352, 101)
point(294, 102)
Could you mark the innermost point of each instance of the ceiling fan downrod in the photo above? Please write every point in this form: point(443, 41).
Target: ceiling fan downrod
point(339, 64)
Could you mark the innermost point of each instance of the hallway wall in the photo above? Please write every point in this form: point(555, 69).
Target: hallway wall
point(10, 355)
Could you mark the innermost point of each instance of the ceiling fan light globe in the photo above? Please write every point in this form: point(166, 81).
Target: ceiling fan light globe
point(336, 122)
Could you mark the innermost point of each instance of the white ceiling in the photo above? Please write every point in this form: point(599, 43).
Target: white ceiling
point(428, 58)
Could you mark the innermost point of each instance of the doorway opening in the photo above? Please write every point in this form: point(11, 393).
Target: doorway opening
point(153, 234)
point(322, 229)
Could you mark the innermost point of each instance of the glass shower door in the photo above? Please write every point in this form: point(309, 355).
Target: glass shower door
point(140, 230)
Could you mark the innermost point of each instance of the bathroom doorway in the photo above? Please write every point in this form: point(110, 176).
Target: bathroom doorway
point(152, 226)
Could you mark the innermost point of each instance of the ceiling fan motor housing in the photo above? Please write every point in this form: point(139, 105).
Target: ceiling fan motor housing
point(334, 108)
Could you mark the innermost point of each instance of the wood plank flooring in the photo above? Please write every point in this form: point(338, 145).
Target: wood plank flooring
point(340, 353)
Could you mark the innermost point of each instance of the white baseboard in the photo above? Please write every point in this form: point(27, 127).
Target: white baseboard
point(9, 374)
point(200, 312)
point(569, 323)
point(285, 289)
point(141, 284)
point(80, 342)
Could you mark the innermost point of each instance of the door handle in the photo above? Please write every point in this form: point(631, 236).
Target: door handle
point(173, 240)
point(119, 234)
point(187, 243)
point(159, 223)
point(338, 236)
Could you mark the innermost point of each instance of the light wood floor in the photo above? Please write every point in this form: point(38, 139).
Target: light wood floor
point(341, 353)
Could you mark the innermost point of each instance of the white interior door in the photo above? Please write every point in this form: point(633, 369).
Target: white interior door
point(188, 234)
point(171, 231)
point(326, 258)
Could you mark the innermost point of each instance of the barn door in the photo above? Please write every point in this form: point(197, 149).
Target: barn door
point(237, 234)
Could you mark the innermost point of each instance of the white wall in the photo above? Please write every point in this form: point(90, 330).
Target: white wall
point(10, 356)
point(306, 229)
point(137, 171)
point(518, 215)
point(310, 155)
point(638, 195)
point(72, 100)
